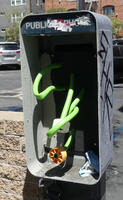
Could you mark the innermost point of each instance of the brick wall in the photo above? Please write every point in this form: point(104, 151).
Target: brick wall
point(117, 3)
point(72, 4)
point(16, 183)
point(67, 4)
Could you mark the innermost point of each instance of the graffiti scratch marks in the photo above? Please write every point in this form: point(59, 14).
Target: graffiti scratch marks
point(104, 48)
point(105, 82)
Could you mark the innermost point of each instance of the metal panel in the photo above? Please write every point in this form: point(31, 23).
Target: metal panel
point(82, 43)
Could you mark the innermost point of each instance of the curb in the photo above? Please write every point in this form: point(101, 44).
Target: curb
point(13, 116)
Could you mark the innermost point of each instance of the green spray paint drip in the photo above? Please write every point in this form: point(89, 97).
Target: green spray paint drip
point(69, 140)
point(69, 98)
point(51, 88)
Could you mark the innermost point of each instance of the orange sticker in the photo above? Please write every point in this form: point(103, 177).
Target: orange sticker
point(58, 155)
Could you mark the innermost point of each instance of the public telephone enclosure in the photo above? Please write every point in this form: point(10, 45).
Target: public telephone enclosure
point(81, 42)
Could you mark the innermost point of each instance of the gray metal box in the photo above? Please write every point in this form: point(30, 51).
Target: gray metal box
point(82, 43)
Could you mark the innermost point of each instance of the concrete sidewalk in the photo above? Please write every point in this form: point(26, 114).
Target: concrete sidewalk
point(15, 116)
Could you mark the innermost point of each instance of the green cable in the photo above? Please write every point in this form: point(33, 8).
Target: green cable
point(72, 132)
point(61, 123)
point(38, 78)
point(65, 120)
point(69, 97)
point(73, 111)
point(69, 140)
point(77, 100)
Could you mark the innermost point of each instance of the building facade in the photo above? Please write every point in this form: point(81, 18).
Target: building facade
point(66, 4)
point(111, 7)
point(37, 6)
point(15, 10)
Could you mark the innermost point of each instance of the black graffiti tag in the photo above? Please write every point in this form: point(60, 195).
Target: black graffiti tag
point(105, 78)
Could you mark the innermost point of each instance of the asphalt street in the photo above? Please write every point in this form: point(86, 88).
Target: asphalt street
point(10, 90)
point(114, 174)
point(11, 99)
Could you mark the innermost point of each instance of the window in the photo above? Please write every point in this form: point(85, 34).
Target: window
point(116, 51)
point(108, 10)
point(17, 2)
point(37, 2)
point(16, 17)
point(9, 46)
point(2, 13)
point(12, 2)
point(3, 30)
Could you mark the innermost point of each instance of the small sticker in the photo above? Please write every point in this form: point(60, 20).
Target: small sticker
point(59, 25)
